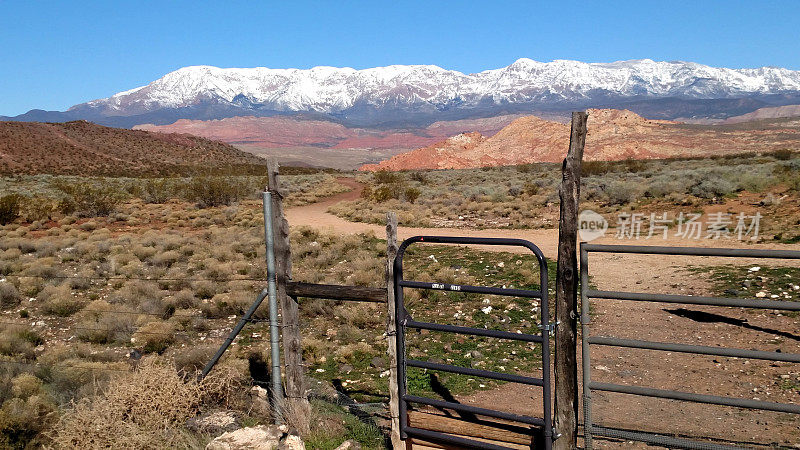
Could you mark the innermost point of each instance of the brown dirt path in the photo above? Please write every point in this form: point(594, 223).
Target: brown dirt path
point(730, 327)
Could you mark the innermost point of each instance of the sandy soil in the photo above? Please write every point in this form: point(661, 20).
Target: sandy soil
point(712, 326)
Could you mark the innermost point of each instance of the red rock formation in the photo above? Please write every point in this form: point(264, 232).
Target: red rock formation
point(283, 132)
point(613, 135)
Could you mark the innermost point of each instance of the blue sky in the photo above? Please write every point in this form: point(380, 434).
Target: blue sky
point(54, 54)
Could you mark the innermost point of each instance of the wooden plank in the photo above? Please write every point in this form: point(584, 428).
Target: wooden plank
point(297, 401)
point(391, 330)
point(336, 292)
point(486, 430)
point(566, 364)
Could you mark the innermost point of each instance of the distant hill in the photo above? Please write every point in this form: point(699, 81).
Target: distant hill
point(83, 148)
point(613, 135)
point(776, 112)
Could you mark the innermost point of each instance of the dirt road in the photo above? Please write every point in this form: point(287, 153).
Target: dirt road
point(729, 327)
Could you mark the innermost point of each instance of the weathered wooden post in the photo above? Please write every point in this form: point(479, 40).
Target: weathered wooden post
point(566, 364)
point(297, 407)
point(391, 330)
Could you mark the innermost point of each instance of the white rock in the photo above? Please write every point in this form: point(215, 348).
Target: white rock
point(261, 437)
point(349, 445)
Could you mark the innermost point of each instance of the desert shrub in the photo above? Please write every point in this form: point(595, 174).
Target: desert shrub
point(101, 323)
point(154, 337)
point(59, 301)
point(26, 414)
point(620, 192)
point(386, 177)
point(38, 208)
point(411, 194)
point(205, 289)
point(83, 281)
point(710, 188)
point(156, 190)
point(783, 154)
point(9, 208)
point(595, 168)
point(225, 385)
point(145, 295)
point(89, 199)
point(192, 360)
point(166, 259)
point(662, 186)
point(214, 191)
point(9, 295)
point(19, 340)
point(119, 418)
point(419, 177)
point(386, 192)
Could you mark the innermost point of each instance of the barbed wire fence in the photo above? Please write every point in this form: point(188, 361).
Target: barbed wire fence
point(67, 329)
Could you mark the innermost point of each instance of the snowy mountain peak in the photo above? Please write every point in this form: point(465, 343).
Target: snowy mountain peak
point(430, 89)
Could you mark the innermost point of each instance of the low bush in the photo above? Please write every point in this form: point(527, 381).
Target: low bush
point(154, 337)
point(9, 208)
point(59, 301)
point(620, 192)
point(215, 191)
point(119, 418)
point(89, 199)
point(102, 323)
point(19, 340)
point(28, 412)
point(9, 295)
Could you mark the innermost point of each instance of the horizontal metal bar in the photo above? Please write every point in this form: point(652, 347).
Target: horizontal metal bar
point(696, 398)
point(473, 289)
point(696, 300)
point(442, 437)
point(475, 410)
point(693, 251)
point(659, 439)
point(475, 372)
point(336, 292)
point(474, 331)
point(696, 349)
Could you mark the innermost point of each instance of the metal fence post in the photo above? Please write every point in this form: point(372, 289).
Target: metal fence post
point(585, 356)
point(295, 393)
point(274, 333)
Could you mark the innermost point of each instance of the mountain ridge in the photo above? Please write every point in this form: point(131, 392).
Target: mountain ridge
point(416, 94)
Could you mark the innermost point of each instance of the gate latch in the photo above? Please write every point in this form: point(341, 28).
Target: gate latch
point(550, 327)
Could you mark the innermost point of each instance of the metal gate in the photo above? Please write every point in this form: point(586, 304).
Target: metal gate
point(404, 320)
point(588, 385)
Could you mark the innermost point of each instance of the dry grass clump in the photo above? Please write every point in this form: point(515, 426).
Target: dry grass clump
point(148, 408)
point(9, 295)
point(26, 410)
point(154, 336)
point(59, 301)
point(142, 409)
point(103, 323)
point(19, 341)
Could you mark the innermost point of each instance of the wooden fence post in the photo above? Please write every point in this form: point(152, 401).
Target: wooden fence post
point(391, 330)
point(297, 407)
point(566, 362)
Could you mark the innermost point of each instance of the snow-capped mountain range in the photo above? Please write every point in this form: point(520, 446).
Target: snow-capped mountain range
point(398, 93)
